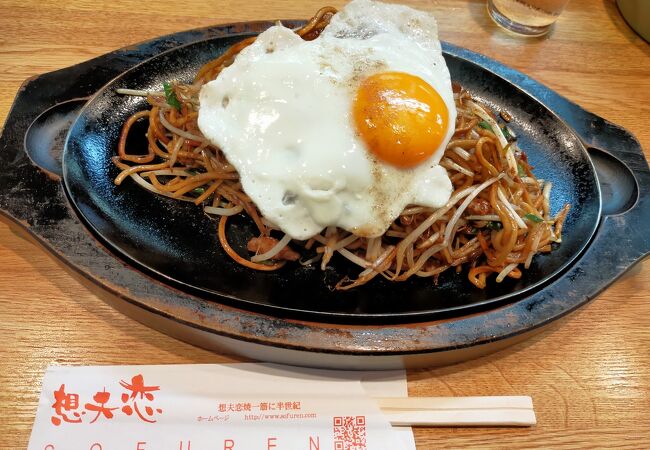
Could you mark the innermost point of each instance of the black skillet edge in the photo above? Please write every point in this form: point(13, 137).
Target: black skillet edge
point(35, 200)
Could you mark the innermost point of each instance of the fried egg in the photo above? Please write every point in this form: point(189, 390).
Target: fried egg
point(345, 130)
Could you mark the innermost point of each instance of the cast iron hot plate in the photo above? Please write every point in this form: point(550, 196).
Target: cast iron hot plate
point(287, 316)
point(177, 241)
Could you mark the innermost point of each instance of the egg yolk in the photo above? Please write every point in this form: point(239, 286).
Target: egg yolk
point(400, 117)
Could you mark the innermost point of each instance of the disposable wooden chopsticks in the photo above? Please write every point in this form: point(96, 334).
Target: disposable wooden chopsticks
point(458, 411)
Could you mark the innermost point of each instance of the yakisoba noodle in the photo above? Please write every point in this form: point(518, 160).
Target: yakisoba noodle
point(497, 219)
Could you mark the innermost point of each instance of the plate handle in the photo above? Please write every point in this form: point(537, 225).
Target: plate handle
point(46, 135)
point(622, 238)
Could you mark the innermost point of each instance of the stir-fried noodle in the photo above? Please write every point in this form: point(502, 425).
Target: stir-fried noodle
point(497, 219)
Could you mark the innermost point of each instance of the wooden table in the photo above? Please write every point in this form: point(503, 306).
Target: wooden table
point(589, 375)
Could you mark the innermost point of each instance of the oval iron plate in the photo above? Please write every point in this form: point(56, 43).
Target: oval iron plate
point(177, 243)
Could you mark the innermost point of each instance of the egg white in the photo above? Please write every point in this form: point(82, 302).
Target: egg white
point(281, 113)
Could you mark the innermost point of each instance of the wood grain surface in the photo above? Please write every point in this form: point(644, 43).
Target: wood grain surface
point(588, 375)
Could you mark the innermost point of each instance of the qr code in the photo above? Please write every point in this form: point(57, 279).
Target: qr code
point(350, 433)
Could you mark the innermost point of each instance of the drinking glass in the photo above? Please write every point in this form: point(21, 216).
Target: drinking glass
point(526, 17)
